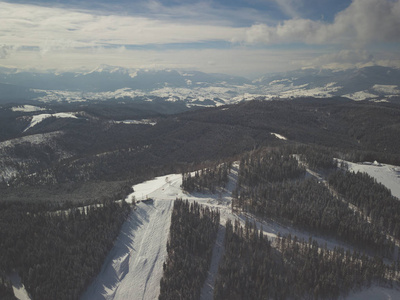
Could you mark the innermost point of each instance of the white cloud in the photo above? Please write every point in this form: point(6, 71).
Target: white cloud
point(290, 7)
point(5, 50)
point(239, 61)
point(59, 38)
point(56, 28)
point(342, 59)
point(363, 22)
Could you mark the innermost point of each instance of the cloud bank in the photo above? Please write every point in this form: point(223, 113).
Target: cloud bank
point(203, 38)
point(362, 23)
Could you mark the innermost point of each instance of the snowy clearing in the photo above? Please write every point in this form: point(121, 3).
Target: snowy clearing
point(133, 268)
point(137, 122)
point(277, 135)
point(386, 89)
point(39, 118)
point(19, 289)
point(388, 175)
point(360, 96)
point(27, 108)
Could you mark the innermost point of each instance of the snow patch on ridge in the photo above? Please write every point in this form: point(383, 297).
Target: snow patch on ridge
point(137, 122)
point(281, 137)
point(386, 89)
point(39, 118)
point(27, 108)
point(360, 96)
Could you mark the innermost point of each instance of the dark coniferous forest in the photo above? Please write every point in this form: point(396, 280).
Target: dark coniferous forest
point(272, 185)
point(292, 269)
point(206, 180)
point(192, 236)
point(57, 253)
point(371, 197)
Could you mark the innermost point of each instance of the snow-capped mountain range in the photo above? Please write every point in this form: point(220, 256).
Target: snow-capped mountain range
point(197, 88)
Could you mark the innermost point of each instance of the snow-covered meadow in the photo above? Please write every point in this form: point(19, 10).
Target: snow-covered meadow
point(388, 175)
point(39, 118)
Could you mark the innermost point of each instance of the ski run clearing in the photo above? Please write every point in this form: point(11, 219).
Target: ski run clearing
point(388, 175)
point(133, 268)
point(39, 118)
point(27, 108)
point(19, 289)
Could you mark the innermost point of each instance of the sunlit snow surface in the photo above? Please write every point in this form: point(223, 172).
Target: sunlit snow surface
point(39, 118)
point(18, 288)
point(360, 96)
point(388, 175)
point(277, 135)
point(198, 95)
point(137, 122)
point(27, 108)
point(133, 268)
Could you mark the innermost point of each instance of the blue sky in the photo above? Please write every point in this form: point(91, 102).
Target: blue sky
point(245, 38)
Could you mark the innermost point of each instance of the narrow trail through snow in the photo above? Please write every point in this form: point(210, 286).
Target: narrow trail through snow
point(207, 292)
point(134, 266)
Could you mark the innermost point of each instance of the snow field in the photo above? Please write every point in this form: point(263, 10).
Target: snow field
point(137, 122)
point(133, 269)
point(19, 289)
point(388, 175)
point(39, 118)
point(277, 135)
point(27, 108)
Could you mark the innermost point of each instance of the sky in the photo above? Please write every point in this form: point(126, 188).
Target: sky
point(238, 37)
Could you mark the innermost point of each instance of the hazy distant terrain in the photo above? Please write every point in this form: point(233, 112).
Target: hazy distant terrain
point(193, 88)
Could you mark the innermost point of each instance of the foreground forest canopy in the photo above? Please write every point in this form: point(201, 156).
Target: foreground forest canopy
point(253, 269)
point(192, 235)
point(57, 253)
point(61, 182)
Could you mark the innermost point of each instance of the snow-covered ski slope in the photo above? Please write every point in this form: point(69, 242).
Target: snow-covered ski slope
point(18, 288)
point(388, 175)
point(133, 269)
point(39, 118)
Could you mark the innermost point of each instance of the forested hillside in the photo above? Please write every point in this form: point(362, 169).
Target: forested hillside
point(206, 180)
point(272, 185)
point(374, 200)
point(61, 180)
point(292, 269)
point(192, 236)
point(57, 253)
point(97, 148)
